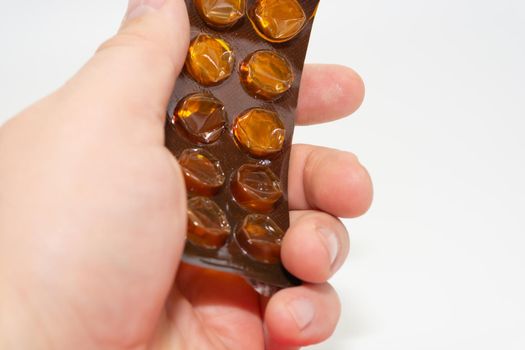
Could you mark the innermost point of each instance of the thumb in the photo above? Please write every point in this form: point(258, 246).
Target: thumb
point(97, 253)
point(132, 74)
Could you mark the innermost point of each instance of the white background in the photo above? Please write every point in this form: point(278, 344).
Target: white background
point(438, 262)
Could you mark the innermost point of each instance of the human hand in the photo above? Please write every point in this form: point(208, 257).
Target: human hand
point(93, 212)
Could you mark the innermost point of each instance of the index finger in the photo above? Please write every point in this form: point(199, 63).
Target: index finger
point(328, 92)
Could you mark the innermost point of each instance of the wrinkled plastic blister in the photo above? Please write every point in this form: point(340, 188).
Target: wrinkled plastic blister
point(230, 124)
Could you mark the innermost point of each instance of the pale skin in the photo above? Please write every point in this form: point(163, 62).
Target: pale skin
point(93, 212)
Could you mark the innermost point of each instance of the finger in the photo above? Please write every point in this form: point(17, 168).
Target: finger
point(328, 92)
point(130, 77)
point(301, 316)
point(329, 180)
point(226, 304)
point(321, 237)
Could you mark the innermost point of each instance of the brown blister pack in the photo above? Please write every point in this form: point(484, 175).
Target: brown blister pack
point(230, 124)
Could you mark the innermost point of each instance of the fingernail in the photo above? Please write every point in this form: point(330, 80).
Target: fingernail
point(302, 311)
point(331, 243)
point(137, 8)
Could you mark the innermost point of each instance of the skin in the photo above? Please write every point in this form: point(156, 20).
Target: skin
point(93, 212)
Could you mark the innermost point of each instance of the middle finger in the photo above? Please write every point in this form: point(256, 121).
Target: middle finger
point(328, 180)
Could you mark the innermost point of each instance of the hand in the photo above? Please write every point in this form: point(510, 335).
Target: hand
point(93, 212)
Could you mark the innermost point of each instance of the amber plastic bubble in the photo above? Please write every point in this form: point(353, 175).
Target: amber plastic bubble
point(202, 116)
point(208, 226)
point(210, 60)
point(260, 238)
point(203, 173)
point(278, 20)
point(266, 74)
point(220, 13)
point(256, 188)
point(260, 132)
